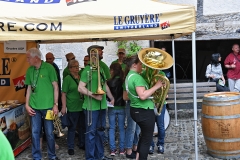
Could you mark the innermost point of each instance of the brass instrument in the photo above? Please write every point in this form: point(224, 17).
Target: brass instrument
point(57, 126)
point(56, 122)
point(94, 62)
point(156, 59)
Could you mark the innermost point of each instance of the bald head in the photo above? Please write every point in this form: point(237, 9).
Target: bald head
point(49, 58)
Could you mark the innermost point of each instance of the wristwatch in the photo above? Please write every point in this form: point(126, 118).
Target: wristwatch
point(56, 104)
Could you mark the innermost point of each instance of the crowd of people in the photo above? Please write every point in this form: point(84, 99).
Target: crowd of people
point(96, 92)
point(86, 109)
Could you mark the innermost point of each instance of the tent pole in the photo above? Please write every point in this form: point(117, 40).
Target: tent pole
point(174, 81)
point(194, 92)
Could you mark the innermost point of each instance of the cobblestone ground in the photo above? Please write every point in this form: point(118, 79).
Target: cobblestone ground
point(179, 142)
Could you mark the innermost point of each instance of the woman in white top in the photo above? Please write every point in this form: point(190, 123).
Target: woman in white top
point(214, 72)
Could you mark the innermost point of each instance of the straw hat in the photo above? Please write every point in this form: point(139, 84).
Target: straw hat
point(70, 56)
point(168, 60)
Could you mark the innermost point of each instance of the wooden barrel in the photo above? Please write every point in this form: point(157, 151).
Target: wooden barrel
point(221, 124)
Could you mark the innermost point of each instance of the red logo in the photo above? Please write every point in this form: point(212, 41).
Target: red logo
point(165, 25)
point(19, 83)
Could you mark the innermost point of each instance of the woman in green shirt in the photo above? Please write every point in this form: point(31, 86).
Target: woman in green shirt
point(142, 107)
point(72, 100)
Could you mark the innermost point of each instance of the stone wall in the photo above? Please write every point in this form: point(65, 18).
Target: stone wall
point(80, 50)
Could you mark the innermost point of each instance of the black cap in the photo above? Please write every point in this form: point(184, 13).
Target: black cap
point(94, 46)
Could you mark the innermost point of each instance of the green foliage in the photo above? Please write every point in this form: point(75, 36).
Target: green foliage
point(130, 46)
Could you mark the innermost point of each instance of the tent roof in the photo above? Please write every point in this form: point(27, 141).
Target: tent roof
point(68, 21)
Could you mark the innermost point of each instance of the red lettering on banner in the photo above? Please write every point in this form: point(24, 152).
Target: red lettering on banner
point(19, 83)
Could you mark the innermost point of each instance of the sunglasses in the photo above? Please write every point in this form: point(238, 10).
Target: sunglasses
point(121, 53)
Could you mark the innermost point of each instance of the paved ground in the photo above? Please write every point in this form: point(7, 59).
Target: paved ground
point(179, 142)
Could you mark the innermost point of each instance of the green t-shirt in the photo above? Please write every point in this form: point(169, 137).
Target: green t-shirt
point(105, 69)
point(93, 79)
point(123, 65)
point(43, 95)
point(6, 152)
point(66, 72)
point(136, 80)
point(73, 98)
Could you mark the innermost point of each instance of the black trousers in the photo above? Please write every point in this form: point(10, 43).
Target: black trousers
point(145, 118)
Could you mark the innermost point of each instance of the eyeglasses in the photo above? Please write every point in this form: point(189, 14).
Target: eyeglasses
point(77, 67)
point(121, 53)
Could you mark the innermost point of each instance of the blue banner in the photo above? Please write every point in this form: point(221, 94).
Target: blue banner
point(33, 1)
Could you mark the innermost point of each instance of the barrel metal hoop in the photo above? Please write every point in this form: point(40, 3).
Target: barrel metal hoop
point(217, 99)
point(221, 104)
point(228, 152)
point(221, 117)
point(222, 140)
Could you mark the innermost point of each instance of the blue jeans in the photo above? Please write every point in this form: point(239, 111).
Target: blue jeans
point(94, 148)
point(72, 119)
point(161, 128)
point(81, 129)
point(120, 114)
point(132, 131)
point(36, 122)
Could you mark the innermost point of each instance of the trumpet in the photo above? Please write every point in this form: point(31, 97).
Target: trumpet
point(56, 123)
point(57, 126)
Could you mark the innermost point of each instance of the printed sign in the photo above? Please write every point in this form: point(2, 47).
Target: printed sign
point(13, 68)
point(15, 47)
point(58, 62)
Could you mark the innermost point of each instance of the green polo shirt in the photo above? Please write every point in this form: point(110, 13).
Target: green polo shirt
point(136, 80)
point(43, 95)
point(123, 65)
point(92, 85)
point(105, 69)
point(73, 98)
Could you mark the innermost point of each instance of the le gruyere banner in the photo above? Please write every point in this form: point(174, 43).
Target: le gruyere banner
point(92, 20)
point(13, 67)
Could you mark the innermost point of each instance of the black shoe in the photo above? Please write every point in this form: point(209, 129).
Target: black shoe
point(71, 152)
point(131, 156)
point(82, 147)
point(106, 158)
point(151, 150)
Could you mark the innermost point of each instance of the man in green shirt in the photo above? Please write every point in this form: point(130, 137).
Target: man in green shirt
point(101, 63)
point(121, 55)
point(94, 106)
point(42, 95)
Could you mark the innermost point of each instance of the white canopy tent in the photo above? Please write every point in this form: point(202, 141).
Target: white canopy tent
point(58, 21)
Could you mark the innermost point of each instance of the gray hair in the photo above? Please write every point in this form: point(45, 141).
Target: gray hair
point(35, 52)
point(72, 62)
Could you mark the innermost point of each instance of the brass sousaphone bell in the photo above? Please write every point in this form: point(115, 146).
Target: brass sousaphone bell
point(154, 60)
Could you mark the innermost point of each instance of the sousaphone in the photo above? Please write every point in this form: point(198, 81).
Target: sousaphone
point(155, 60)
